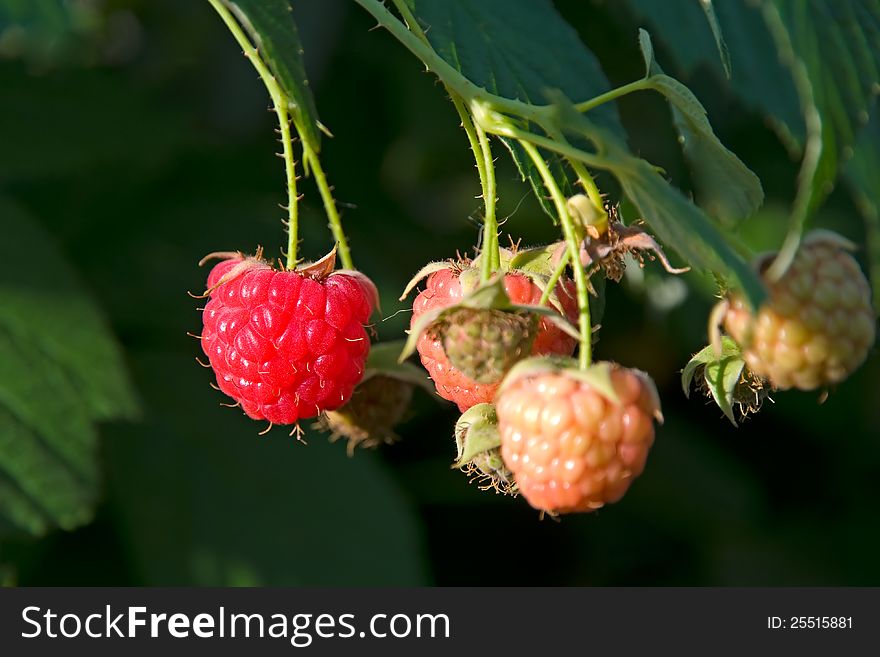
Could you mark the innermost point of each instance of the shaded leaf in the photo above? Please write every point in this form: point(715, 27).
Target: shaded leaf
point(712, 18)
point(530, 174)
point(812, 67)
point(274, 32)
point(863, 177)
point(485, 40)
point(725, 187)
point(678, 223)
point(60, 372)
point(758, 78)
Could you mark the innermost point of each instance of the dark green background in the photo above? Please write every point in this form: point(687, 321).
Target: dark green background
point(151, 144)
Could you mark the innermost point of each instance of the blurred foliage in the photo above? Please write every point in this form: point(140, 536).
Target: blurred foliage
point(155, 147)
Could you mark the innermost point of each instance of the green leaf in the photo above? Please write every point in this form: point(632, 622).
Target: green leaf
point(60, 373)
point(725, 187)
point(862, 175)
point(757, 76)
point(712, 18)
point(812, 67)
point(239, 509)
point(271, 26)
point(684, 228)
point(680, 224)
point(530, 174)
point(837, 42)
point(519, 50)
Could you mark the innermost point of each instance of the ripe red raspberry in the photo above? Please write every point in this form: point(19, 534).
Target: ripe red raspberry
point(443, 289)
point(817, 326)
point(286, 345)
point(569, 443)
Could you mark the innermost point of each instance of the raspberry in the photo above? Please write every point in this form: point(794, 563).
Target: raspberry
point(286, 345)
point(485, 344)
point(369, 417)
point(478, 443)
point(575, 440)
point(444, 289)
point(817, 326)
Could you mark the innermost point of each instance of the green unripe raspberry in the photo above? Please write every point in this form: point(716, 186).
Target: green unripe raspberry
point(368, 419)
point(485, 344)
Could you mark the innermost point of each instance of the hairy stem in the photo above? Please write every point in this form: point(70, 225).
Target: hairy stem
point(280, 103)
point(491, 253)
point(479, 157)
point(568, 229)
point(482, 155)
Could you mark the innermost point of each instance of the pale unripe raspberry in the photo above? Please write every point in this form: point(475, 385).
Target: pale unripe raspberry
point(816, 327)
point(569, 445)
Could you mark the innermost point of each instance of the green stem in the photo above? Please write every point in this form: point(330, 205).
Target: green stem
point(480, 159)
point(482, 155)
point(813, 147)
point(503, 128)
point(614, 94)
point(440, 67)
point(491, 252)
point(554, 278)
point(413, 39)
point(280, 103)
point(568, 229)
point(584, 176)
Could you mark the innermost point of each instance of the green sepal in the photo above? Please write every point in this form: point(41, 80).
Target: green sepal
point(488, 296)
point(539, 260)
point(475, 432)
point(424, 272)
point(721, 371)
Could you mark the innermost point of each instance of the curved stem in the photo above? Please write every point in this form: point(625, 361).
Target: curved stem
point(505, 129)
point(280, 103)
point(584, 176)
point(491, 254)
point(614, 94)
point(568, 229)
point(554, 278)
